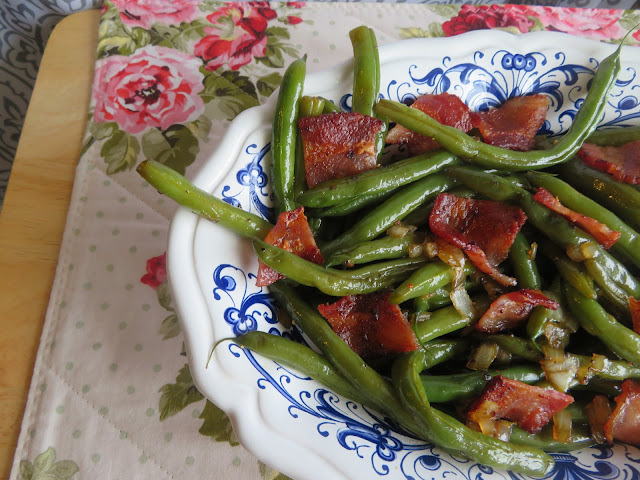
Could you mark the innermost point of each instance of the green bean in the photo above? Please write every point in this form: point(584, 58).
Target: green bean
point(524, 263)
point(619, 197)
point(385, 248)
point(283, 139)
point(170, 183)
point(464, 386)
point(302, 358)
point(395, 208)
point(607, 369)
point(454, 437)
point(628, 245)
point(596, 321)
point(366, 77)
point(377, 181)
point(489, 156)
point(311, 106)
point(517, 346)
point(447, 320)
point(355, 203)
point(366, 72)
point(614, 137)
point(330, 107)
point(545, 441)
point(331, 281)
point(427, 280)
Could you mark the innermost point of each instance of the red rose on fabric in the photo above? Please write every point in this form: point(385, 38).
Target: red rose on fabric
point(144, 13)
point(237, 35)
point(296, 4)
point(156, 271)
point(294, 20)
point(154, 87)
point(599, 24)
point(483, 17)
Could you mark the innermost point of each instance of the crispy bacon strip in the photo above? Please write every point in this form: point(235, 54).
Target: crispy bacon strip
point(445, 108)
point(624, 422)
point(484, 229)
point(634, 306)
point(623, 162)
point(529, 406)
point(511, 309)
point(337, 145)
point(370, 325)
point(514, 124)
point(292, 233)
point(603, 234)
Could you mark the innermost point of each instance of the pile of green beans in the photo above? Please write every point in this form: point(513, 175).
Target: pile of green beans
point(352, 219)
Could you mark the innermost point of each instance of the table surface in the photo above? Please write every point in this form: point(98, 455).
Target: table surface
point(35, 209)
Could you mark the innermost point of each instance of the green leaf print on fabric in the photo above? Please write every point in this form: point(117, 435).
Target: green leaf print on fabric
point(176, 147)
point(45, 467)
point(217, 425)
point(120, 152)
point(177, 396)
point(268, 83)
point(170, 327)
point(268, 473)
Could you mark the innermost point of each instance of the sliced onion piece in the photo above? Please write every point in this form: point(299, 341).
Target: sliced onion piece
point(560, 368)
point(562, 426)
point(598, 412)
point(399, 229)
point(483, 356)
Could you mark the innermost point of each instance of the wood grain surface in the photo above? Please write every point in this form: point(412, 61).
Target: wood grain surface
point(33, 216)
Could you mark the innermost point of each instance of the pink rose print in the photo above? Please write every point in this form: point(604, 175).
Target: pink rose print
point(599, 24)
point(238, 34)
point(144, 13)
point(156, 271)
point(154, 87)
point(483, 17)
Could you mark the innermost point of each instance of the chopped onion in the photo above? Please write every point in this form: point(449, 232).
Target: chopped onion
point(415, 250)
point(562, 426)
point(430, 248)
point(399, 229)
point(483, 356)
point(533, 251)
point(560, 368)
point(503, 430)
point(462, 301)
point(598, 412)
point(580, 253)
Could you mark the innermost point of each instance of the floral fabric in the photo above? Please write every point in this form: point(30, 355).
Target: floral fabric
point(112, 395)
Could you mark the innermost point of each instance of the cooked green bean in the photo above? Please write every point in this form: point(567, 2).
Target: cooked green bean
point(170, 183)
point(385, 248)
point(524, 263)
point(335, 282)
point(376, 181)
point(283, 138)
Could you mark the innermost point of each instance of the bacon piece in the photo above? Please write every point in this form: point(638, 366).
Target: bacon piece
point(370, 325)
point(623, 162)
point(484, 229)
point(634, 306)
point(603, 234)
point(445, 108)
point(292, 233)
point(529, 406)
point(337, 145)
point(514, 124)
point(511, 309)
point(624, 422)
